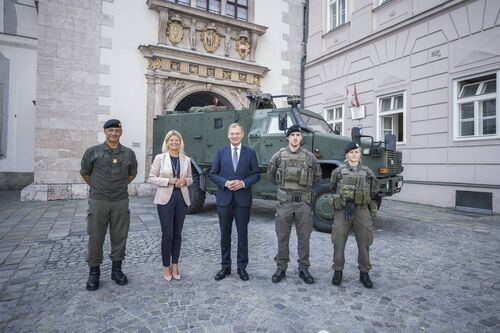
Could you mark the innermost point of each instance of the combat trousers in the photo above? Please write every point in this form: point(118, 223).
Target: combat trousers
point(100, 214)
point(286, 214)
point(363, 230)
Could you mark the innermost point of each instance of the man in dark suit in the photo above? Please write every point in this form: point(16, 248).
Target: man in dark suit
point(234, 170)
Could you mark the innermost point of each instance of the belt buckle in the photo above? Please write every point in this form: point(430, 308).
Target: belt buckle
point(296, 198)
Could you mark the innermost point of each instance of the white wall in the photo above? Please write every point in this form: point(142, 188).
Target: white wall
point(134, 24)
point(22, 91)
point(271, 44)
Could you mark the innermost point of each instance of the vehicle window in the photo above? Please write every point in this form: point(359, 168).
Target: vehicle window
point(273, 126)
point(317, 124)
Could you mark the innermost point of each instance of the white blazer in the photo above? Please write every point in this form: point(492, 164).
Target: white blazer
point(160, 173)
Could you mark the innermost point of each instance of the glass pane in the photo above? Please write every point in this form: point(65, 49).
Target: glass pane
point(230, 10)
point(339, 126)
point(342, 16)
point(171, 0)
point(469, 90)
point(467, 128)
point(338, 113)
point(333, 15)
point(185, 2)
point(202, 4)
point(214, 6)
point(385, 104)
point(488, 108)
point(242, 13)
point(387, 123)
point(398, 102)
point(489, 126)
point(467, 110)
point(490, 87)
point(329, 114)
point(243, 3)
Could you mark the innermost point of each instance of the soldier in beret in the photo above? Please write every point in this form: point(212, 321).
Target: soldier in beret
point(354, 185)
point(294, 170)
point(108, 168)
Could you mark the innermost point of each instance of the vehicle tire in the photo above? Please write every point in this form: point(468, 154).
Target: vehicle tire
point(196, 195)
point(323, 207)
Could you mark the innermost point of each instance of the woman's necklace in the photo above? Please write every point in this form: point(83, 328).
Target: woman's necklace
point(175, 166)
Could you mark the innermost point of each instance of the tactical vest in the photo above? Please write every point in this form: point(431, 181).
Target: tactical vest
point(294, 174)
point(353, 185)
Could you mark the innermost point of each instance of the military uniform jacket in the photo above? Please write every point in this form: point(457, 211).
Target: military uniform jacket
point(311, 162)
point(109, 171)
point(358, 171)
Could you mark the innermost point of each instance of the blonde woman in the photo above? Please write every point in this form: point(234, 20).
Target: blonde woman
point(171, 172)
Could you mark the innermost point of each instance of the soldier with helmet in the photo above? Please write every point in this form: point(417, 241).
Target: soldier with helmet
point(294, 170)
point(354, 185)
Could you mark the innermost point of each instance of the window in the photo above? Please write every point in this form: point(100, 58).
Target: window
point(273, 124)
point(212, 6)
point(337, 13)
point(391, 116)
point(181, 2)
point(335, 118)
point(476, 107)
point(237, 9)
point(381, 2)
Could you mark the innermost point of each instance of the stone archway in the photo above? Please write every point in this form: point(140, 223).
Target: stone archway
point(202, 98)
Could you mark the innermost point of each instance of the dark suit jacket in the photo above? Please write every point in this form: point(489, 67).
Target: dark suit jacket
point(247, 171)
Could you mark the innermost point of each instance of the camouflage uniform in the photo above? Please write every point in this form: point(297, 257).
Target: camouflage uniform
point(294, 173)
point(360, 185)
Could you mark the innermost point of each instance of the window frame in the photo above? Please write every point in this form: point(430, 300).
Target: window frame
point(334, 120)
point(476, 100)
point(329, 14)
point(392, 112)
point(181, 3)
point(236, 4)
point(207, 7)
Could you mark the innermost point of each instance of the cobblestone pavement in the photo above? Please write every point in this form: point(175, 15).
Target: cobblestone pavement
point(434, 270)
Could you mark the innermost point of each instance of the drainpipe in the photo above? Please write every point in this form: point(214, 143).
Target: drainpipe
point(304, 51)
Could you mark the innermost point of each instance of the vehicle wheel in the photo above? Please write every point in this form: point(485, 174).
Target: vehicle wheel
point(323, 207)
point(196, 195)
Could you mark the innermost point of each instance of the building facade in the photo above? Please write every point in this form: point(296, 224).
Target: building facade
point(18, 49)
point(132, 60)
point(425, 71)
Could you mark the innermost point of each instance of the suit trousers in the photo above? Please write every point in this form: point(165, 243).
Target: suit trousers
point(362, 225)
point(241, 216)
point(286, 214)
point(100, 214)
point(172, 216)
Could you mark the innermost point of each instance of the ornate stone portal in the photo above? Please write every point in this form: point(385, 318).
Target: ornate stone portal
point(223, 63)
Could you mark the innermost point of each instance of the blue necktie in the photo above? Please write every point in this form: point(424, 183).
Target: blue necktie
point(235, 158)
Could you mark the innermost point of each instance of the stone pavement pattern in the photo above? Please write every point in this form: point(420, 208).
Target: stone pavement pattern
point(434, 270)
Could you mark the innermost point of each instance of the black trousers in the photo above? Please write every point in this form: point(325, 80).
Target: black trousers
point(241, 215)
point(172, 217)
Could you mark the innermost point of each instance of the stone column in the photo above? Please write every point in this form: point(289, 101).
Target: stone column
point(150, 112)
point(158, 96)
point(162, 26)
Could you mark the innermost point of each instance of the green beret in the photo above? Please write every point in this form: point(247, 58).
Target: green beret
point(112, 123)
point(350, 146)
point(293, 128)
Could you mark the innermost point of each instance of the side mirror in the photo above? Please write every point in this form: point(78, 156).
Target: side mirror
point(390, 142)
point(356, 135)
point(282, 120)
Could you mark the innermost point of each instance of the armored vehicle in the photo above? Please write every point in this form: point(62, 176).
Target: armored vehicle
point(204, 130)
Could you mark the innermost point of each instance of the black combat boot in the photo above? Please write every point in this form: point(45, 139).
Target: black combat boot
point(93, 281)
point(337, 278)
point(117, 274)
point(365, 280)
point(278, 275)
point(306, 276)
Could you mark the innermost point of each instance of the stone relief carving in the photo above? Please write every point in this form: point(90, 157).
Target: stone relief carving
point(175, 30)
point(240, 95)
point(170, 89)
point(243, 44)
point(210, 38)
point(192, 34)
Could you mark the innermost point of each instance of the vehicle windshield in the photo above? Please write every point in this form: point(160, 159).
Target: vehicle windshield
point(316, 124)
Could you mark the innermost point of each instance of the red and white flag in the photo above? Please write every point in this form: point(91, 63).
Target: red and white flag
point(352, 98)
